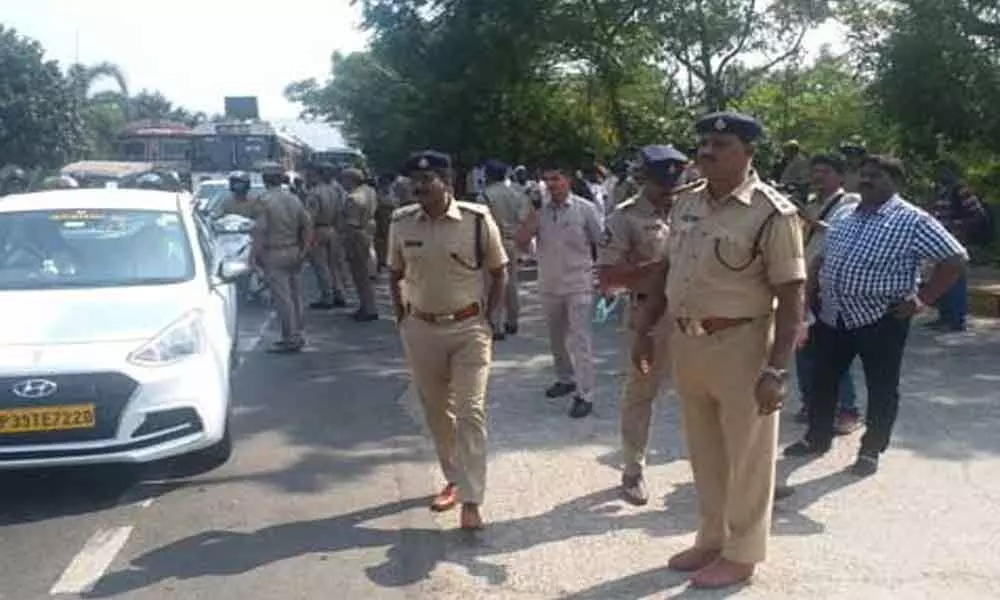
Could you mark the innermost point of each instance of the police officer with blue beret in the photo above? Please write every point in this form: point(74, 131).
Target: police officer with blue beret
point(734, 274)
point(631, 255)
point(440, 248)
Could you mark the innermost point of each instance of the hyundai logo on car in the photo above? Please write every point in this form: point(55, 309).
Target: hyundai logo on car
point(33, 389)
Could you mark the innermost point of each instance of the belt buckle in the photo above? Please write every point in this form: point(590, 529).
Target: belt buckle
point(694, 328)
point(449, 318)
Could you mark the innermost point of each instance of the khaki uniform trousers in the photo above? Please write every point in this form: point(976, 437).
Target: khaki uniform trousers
point(450, 365)
point(569, 319)
point(283, 273)
point(638, 394)
point(359, 246)
point(509, 311)
point(732, 448)
point(327, 258)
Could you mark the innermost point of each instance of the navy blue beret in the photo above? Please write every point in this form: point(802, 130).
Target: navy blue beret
point(742, 126)
point(495, 168)
point(663, 163)
point(427, 160)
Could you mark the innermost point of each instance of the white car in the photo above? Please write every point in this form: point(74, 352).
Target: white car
point(119, 330)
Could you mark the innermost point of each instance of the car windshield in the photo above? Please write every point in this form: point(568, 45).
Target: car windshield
point(210, 197)
point(62, 249)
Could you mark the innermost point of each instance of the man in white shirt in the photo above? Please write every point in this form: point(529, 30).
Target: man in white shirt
point(828, 204)
point(568, 230)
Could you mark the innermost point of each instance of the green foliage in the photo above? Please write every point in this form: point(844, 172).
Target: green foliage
point(39, 121)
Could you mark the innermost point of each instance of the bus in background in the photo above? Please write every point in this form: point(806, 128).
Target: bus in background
point(343, 158)
point(220, 148)
point(164, 144)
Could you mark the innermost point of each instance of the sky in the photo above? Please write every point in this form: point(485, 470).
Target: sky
point(198, 51)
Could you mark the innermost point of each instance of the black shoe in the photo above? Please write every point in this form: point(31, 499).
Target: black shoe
point(510, 329)
point(806, 448)
point(866, 465)
point(287, 346)
point(365, 317)
point(581, 408)
point(634, 490)
point(499, 336)
point(322, 305)
point(560, 389)
point(339, 303)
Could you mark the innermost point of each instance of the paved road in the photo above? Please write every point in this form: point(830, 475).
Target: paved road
point(325, 496)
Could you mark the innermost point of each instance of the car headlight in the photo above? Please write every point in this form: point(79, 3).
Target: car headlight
point(182, 339)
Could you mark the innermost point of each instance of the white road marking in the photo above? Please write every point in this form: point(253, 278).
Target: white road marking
point(89, 565)
point(249, 343)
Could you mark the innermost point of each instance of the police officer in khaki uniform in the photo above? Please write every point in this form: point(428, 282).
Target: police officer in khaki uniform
point(440, 248)
point(509, 207)
point(358, 217)
point(239, 201)
point(734, 293)
point(630, 255)
point(323, 201)
point(281, 242)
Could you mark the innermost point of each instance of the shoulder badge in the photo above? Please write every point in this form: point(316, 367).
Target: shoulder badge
point(783, 205)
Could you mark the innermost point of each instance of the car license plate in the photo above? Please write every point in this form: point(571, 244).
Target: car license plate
point(48, 418)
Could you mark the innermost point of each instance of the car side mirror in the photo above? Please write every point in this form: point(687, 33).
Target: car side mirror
point(232, 269)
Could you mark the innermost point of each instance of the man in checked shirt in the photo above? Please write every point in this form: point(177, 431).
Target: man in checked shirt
point(868, 291)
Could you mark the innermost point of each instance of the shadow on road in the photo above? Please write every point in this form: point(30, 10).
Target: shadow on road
point(411, 553)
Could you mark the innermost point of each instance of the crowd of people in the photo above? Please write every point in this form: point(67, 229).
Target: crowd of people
point(821, 263)
point(719, 268)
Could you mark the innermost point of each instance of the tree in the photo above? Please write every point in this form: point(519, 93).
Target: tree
point(39, 122)
point(713, 39)
point(940, 84)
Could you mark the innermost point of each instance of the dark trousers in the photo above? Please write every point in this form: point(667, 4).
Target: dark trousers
point(880, 346)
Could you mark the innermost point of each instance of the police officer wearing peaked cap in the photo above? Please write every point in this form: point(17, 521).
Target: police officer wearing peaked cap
point(632, 255)
point(733, 295)
point(440, 248)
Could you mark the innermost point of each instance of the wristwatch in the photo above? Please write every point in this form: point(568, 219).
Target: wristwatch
point(781, 375)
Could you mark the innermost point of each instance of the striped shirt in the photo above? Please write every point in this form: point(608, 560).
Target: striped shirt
point(872, 260)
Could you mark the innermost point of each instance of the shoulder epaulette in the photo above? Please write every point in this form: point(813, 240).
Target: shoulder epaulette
point(405, 212)
point(780, 203)
point(479, 209)
point(691, 186)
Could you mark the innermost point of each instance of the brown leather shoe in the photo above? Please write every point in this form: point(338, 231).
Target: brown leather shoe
point(471, 519)
point(722, 573)
point(446, 498)
point(692, 559)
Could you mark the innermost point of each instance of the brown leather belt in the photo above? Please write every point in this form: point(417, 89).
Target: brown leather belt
point(459, 315)
point(709, 326)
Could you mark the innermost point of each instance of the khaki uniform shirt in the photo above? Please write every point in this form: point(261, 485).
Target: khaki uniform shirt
point(359, 208)
point(322, 203)
point(635, 228)
point(282, 220)
point(715, 270)
point(508, 206)
point(437, 256)
point(249, 208)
